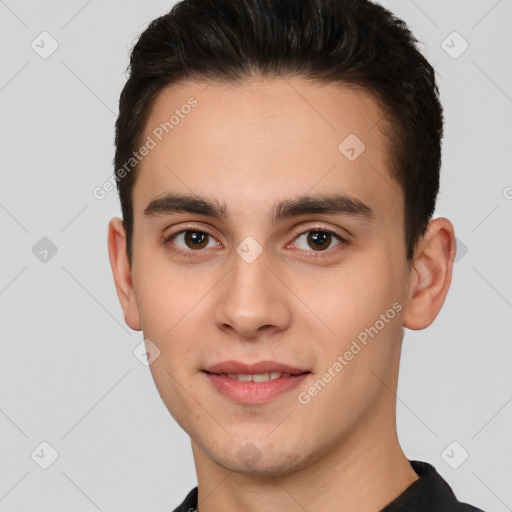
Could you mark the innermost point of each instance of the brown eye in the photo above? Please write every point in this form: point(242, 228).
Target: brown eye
point(196, 239)
point(191, 240)
point(319, 240)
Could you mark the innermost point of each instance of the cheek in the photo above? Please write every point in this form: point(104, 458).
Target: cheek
point(354, 377)
point(362, 310)
point(172, 388)
point(164, 296)
point(350, 298)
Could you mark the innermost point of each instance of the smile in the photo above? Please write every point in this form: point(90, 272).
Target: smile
point(258, 377)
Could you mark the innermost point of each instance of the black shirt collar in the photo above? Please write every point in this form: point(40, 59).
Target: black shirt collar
point(427, 494)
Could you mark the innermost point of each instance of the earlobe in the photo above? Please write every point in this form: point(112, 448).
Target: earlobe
point(122, 273)
point(431, 274)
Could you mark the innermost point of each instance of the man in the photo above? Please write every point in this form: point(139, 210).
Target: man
point(278, 166)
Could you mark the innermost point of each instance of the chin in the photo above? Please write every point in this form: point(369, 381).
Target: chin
point(258, 458)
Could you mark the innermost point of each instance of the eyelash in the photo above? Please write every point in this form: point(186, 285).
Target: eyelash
point(315, 254)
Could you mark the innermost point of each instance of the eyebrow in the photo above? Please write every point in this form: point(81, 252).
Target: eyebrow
point(329, 204)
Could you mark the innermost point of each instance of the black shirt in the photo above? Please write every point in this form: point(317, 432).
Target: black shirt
point(430, 493)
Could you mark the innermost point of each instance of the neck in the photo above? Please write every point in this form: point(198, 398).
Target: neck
point(364, 472)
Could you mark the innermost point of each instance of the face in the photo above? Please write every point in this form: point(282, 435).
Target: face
point(292, 264)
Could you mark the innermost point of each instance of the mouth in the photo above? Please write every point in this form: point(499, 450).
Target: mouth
point(255, 383)
point(256, 377)
point(259, 368)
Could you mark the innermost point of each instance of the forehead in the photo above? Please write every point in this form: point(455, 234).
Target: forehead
point(251, 144)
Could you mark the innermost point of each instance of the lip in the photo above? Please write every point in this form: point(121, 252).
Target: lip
point(253, 368)
point(254, 392)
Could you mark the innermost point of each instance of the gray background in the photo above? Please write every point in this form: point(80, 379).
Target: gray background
point(68, 375)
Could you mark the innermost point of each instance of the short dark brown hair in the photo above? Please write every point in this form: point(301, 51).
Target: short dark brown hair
point(355, 43)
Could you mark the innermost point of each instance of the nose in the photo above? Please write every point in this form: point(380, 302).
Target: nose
point(253, 299)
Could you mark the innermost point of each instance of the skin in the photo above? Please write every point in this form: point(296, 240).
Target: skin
point(249, 146)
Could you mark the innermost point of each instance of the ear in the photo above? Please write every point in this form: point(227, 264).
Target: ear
point(122, 273)
point(431, 274)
